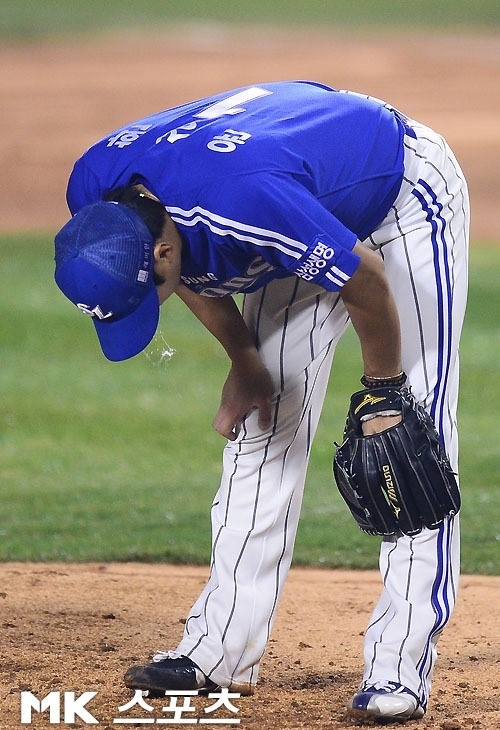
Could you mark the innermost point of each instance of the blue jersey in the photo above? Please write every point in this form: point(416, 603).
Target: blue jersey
point(263, 182)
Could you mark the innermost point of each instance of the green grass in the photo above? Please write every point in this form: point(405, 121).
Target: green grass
point(105, 461)
point(32, 19)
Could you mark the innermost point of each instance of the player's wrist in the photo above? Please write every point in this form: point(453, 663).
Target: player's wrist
point(389, 381)
point(246, 360)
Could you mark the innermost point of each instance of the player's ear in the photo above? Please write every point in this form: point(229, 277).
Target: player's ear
point(162, 251)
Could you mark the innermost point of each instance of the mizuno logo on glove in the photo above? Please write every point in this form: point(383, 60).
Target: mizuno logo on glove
point(390, 490)
point(368, 400)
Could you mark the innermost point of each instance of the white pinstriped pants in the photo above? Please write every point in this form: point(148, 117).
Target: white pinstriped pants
point(255, 513)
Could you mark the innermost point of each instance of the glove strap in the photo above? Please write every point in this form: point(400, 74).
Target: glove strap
point(394, 381)
point(375, 400)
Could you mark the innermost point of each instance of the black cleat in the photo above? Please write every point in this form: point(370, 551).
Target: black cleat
point(167, 675)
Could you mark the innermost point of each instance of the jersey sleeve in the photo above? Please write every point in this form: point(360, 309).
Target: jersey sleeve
point(83, 187)
point(289, 228)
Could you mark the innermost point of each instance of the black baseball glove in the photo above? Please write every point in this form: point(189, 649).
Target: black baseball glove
point(399, 480)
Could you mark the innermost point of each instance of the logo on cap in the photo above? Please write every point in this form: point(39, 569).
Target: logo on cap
point(95, 312)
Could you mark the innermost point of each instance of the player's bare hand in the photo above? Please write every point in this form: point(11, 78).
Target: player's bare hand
point(248, 387)
point(377, 425)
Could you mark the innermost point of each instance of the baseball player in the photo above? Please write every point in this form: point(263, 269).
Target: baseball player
point(321, 207)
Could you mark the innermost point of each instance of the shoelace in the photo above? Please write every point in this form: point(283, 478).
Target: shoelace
point(201, 678)
point(161, 655)
point(392, 687)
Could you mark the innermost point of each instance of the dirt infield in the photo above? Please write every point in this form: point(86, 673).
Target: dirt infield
point(78, 627)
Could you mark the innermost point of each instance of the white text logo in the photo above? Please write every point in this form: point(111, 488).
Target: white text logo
point(95, 312)
point(316, 261)
point(177, 709)
point(227, 142)
point(127, 136)
point(256, 268)
point(231, 106)
point(70, 705)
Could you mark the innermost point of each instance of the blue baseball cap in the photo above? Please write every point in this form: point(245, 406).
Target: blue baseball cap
point(104, 264)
